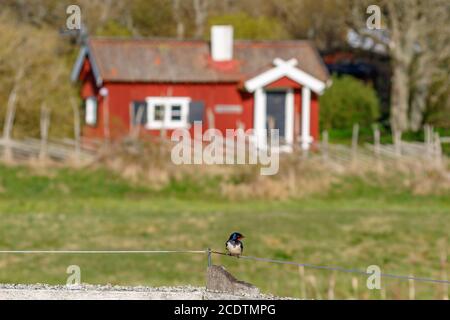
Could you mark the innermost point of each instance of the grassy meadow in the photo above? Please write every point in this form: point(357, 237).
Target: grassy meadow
point(353, 224)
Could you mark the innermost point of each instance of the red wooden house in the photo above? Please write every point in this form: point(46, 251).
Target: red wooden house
point(167, 84)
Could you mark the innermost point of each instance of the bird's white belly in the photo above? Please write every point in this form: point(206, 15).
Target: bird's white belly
point(234, 248)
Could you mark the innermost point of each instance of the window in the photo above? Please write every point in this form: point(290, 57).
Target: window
point(167, 112)
point(139, 112)
point(196, 111)
point(176, 113)
point(159, 112)
point(91, 111)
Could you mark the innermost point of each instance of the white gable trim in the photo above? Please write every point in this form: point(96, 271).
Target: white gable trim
point(259, 123)
point(85, 54)
point(285, 69)
point(289, 117)
point(306, 138)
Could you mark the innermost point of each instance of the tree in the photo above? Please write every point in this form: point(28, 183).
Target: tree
point(418, 35)
point(154, 18)
point(201, 13)
point(34, 70)
point(431, 68)
point(176, 8)
point(321, 21)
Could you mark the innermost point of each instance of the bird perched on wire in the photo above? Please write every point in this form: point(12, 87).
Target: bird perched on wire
point(234, 245)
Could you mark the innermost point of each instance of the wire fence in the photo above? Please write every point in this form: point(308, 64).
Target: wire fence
point(208, 252)
point(97, 251)
point(334, 268)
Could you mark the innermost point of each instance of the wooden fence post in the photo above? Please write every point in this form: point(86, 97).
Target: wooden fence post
point(301, 272)
point(313, 281)
point(425, 133)
point(211, 122)
point(241, 151)
point(10, 114)
point(444, 277)
point(383, 293)
point(44, 125)
point(355, 287)
point(325, 147)
point(411, 289)
point(376, 141)
point(331, 286)
point(397, 137)
point(76, 129)
point(437, 148)
point(8, 126)
point(355, 133)
point(136, 124)
point(428, 139)
point(270, 127)
point(377, 146)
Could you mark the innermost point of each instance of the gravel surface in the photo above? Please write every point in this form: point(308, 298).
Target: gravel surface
point(109, 292)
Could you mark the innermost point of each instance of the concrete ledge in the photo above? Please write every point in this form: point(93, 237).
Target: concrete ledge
point(108, 292)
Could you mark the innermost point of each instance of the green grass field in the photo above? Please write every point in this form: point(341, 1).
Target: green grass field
point(353, 225)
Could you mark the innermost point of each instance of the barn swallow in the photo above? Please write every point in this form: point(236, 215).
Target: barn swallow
point(234, 245)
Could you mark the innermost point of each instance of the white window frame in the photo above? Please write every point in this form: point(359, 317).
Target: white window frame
point(167, 122)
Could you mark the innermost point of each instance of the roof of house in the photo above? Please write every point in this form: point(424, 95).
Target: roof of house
point(161, 60)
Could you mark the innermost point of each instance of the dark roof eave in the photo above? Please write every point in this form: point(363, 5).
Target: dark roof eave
point(84, 53)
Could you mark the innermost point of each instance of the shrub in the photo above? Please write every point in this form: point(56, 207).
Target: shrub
point(346, 102)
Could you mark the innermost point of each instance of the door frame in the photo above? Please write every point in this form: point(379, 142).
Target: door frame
point(260, 118)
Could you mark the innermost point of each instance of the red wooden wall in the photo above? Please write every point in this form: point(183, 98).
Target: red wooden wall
point(122, 94)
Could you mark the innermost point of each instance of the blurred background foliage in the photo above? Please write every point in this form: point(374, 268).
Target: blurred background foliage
point(348, 218)
point(34, 43)
point(248, 27)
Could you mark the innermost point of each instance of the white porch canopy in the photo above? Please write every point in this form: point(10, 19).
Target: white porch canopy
point(309, 83)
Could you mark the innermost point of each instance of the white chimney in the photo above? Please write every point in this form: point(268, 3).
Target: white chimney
point(222, 43)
